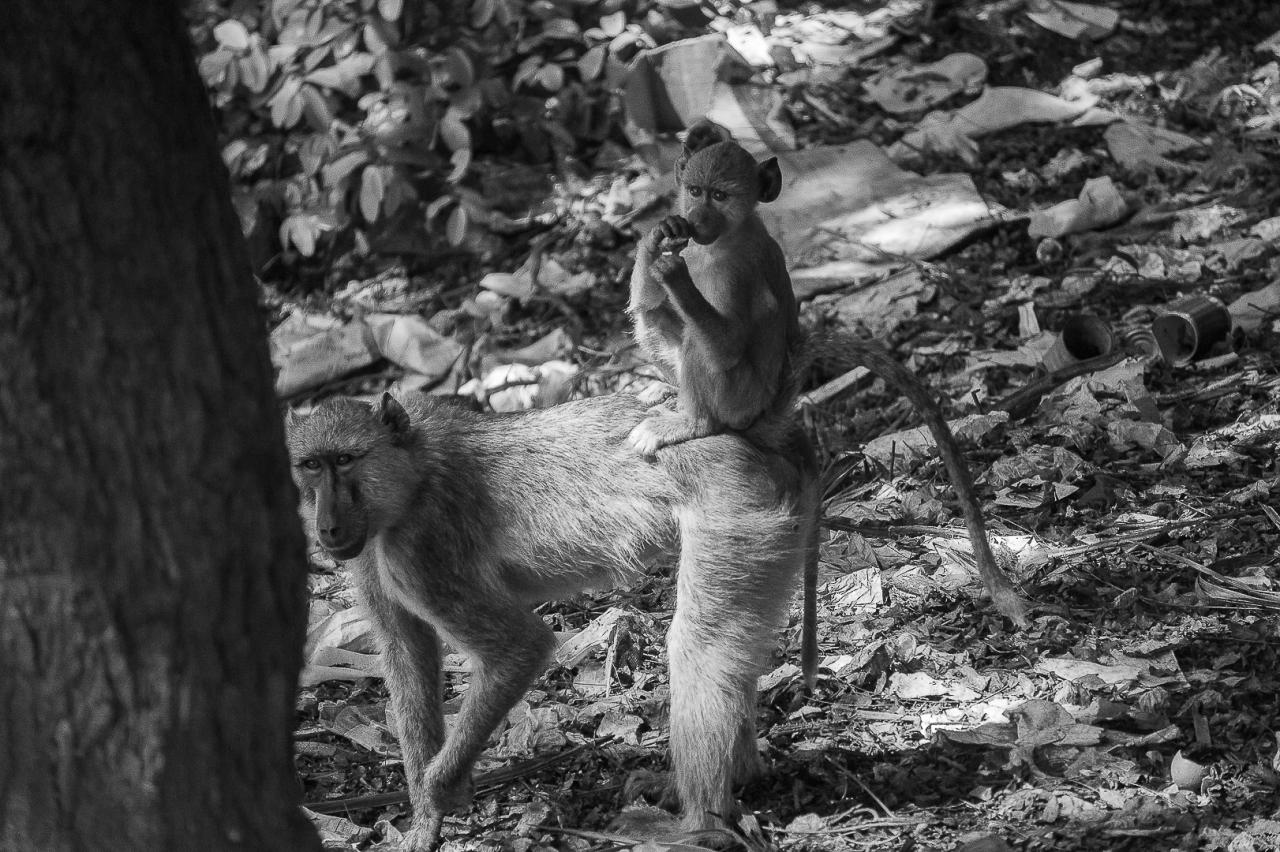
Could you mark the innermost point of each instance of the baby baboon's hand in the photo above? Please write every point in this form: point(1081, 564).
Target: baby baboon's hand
point(673, 229)
point(670, 270)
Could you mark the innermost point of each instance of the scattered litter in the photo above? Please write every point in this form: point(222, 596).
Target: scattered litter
point(1139, 147)
point(1080, 21)
point(911, 88)
point(998, 108)
point(1099, 205)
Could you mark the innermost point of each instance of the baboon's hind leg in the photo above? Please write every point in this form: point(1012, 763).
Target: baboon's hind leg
point(737, 566)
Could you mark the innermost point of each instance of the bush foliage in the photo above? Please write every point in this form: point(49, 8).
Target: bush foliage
point(352, 128)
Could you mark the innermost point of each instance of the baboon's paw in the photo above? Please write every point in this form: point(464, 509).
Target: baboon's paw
point(424, 836)
point(645, 439)
point(656, 394)
point(656, 787)
point(661, 430)
point(646, 822)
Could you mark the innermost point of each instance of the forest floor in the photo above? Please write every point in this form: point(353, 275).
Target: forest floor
point(1134, 505)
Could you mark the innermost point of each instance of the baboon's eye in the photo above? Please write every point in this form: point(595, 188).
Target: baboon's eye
point(719, 195)
point(344, 459)
point(695, 191)
point(311, 464)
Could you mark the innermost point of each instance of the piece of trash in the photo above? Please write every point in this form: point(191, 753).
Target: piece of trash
point(907, 447)
point(1140, 342)
point(1088, 69)
point(409, 341)
point(1197, 224)
point(1078, 21)
point(998, 108)
point(1267, 229)
point(349, 629)
point(310, 349)
point(1183, 266)
point(1252, 309)
point(1083, 336)
point(339, 664)
point(1149, 436)
point(337, 830)
point(1186, 773)
point(520, 387)
point(880, 307)
point(596, 635)
point(1209, 451)
point(1190, 327)
point(848, 212)
point(856, 592)
point(1270, 44)
point(1142, 148)
point(916, 685)
point(668, 88)
point(912, 88)
point(1099, 205)
point(1232, 254)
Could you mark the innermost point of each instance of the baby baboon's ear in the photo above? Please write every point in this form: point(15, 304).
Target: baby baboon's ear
point(392, 415)
point(770, 176)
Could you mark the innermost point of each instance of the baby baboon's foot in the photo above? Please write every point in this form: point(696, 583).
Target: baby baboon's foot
point(658, 393)
point(662, 430)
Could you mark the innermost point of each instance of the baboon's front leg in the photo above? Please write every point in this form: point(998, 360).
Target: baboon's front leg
point(411, 660)
point(509, 646)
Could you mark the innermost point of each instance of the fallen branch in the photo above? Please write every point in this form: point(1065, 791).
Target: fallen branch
point(1022, 402)
point(483, 780)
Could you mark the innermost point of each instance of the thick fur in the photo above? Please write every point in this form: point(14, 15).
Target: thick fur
point(719, 317)
point(455, 522)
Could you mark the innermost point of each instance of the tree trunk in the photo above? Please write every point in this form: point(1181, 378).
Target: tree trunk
point(152, 575)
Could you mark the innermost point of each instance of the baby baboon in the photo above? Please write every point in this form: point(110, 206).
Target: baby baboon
point(455, 522)
point(719, 316)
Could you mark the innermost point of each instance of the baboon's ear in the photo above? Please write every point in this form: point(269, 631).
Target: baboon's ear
point(770, 176)
point(392, 415)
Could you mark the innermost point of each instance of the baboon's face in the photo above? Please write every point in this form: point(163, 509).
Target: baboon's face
point(337, 454)
point(331, 489)
point(719, 187)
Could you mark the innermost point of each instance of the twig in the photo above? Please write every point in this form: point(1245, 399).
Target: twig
point(1020, 403)
point(833, 388)
point(855, 779)
point(483, 781)
point(1141, 535)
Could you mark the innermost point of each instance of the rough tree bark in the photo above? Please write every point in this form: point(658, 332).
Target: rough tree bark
point(151, 565)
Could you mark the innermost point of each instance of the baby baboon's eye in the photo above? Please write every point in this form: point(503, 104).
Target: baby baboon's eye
point(695, 191)
point(719, 195)
point(344, 459)
point(311, 464)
